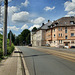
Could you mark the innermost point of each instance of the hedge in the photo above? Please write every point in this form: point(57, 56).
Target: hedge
point(9, 48)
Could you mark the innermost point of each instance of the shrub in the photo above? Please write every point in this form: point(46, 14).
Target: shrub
point(10, 49)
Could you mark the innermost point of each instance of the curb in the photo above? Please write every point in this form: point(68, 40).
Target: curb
point(23, 62)
point(19, 65)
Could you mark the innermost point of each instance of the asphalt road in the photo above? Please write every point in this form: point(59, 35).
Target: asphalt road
point(40, 63)
point(61, 49)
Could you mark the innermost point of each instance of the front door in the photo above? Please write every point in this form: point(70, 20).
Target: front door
point(66, 44)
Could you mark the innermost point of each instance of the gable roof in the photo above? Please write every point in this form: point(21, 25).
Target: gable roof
point(64, 21)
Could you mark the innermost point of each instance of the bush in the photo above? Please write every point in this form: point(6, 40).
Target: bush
point(10, 49)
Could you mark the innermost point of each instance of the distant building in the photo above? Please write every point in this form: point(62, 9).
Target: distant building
point(61, 32)
point(40, 35)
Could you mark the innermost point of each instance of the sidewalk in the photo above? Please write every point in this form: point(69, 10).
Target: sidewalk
point(11, 65)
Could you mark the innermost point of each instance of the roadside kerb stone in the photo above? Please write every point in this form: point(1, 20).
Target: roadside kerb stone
point(19, 65)
point(24, 64)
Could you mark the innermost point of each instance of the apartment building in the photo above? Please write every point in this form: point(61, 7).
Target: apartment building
point(40, 35)
point(61, 32)
point(33, 38)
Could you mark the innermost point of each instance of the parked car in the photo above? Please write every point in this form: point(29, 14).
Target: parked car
point(66, 47)
point(48, 45)
point(72, 46)
point(30, 45)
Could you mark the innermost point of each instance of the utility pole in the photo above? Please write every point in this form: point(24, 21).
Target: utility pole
point(0, 11)
point(5, 28)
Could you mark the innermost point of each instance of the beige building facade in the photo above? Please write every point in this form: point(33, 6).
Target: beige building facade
point(61, 32)
point(39, 37)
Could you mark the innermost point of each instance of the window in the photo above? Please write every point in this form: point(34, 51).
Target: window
point(54, 30)
point(59, 29)
point(72, 41)
point(65, 37)
point(72, 34)
point(65, 29)
point(59, 34)
point(55, 25)
point(71, 22)
point(66, 44)
point(61, 41)
point(54, 35)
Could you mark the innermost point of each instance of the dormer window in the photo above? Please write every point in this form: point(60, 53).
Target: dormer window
point(71, 22)
point(55, 25)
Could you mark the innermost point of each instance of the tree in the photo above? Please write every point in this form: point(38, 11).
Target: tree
point(28, 38)
point(12, 36)
point(16, 41)
point(23, 38)
point(34, 29)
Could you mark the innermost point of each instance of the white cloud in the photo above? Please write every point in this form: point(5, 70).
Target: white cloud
point(11, 11)
point(9, 0)
point(13, 28)
point(38, 20)
point(20, 17)
point(1, 29)
point(70, 7)
point(73, 0)
point(49, 8)
point(25, 3)
point(71, 13)
point(24, 27)
point(67, 15)
point(37, 26)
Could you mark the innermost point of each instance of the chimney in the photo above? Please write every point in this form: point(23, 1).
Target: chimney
point(48, 21)
point(42, 24)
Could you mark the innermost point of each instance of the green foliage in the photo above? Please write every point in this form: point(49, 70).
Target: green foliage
point(9, 48)
point(12, 36)
point(17, 40)
point(23, 38)
point(28, 38)
point(34, 29)
point(1, 53)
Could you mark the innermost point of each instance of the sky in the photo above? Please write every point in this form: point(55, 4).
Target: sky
point(26, 14)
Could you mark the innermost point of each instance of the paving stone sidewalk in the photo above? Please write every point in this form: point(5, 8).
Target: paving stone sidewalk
point(10, 65)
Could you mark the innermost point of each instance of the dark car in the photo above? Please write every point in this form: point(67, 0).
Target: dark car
point(48, 45)
point(72, 46)
point(30, 45)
